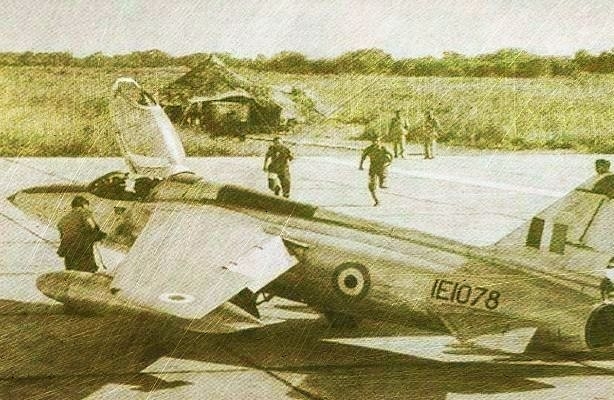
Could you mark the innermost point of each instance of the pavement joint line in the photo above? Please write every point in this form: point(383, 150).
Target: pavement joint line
point(466, 181)
point(22, 273)
point(116, 374)
point(52, 174)
point(272, 374)
point(424, 200)
point(41, 238)
point(20, 241)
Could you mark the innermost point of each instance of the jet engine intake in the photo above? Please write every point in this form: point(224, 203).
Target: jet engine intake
point(599, 329)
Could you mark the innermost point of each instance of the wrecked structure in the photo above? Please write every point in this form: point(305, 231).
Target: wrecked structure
point(220, 101)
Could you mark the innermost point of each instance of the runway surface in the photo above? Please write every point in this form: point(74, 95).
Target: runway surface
point(476, 199)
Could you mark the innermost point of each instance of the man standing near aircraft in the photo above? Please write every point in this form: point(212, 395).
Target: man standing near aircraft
point(279, 168)
point(78, 233)
point(379, 160)
point(397, 130)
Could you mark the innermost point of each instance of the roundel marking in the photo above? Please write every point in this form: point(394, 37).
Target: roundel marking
point(176, 298)
point(351, 280)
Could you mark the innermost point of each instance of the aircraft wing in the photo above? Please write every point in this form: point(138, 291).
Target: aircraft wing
point(190, 259)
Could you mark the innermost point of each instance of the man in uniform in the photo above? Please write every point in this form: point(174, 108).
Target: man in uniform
point(279, 167)
point(605, 182)
point(379, 160)
point(431, 128)
point(397, 130)
point(78, 233)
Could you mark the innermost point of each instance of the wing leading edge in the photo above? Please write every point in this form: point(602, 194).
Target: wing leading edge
point(189, 260)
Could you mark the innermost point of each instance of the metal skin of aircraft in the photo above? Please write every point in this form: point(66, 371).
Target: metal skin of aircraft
point(199, 254)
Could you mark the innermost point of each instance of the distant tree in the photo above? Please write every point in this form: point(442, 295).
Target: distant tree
point(365, 61)
point(192, 60)
point(532, 67)
point(97, 60)
point(404, 67)
point(10, 58)
point(45, 59)
point(605, 62)
point(562, 66)
point(426, 66)
point(509, 62)
point(584, 61)
point(289, 61)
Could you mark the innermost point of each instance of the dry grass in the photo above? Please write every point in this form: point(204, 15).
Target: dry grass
point(64, 111)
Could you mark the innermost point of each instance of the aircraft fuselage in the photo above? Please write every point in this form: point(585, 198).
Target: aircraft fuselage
point(364, 270)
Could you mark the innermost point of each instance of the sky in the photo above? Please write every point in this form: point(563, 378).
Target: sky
point(317, 28)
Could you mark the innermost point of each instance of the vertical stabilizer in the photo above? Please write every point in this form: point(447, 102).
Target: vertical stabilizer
point(584, 218)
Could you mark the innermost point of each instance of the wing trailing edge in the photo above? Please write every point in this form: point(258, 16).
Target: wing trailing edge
point(189, 260)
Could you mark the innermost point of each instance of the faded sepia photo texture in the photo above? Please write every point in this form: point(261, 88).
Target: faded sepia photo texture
point(307, 199)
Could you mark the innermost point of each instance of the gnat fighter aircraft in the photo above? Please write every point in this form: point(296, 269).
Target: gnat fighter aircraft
point(203, 255)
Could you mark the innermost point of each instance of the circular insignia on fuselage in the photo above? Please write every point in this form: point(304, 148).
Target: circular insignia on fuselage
point(351, 280)
point(176, 298)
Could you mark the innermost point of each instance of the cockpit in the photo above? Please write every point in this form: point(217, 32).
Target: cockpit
point(118, 185)
point(146, 136)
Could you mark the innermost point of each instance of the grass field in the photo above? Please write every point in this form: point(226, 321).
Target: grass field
point(63, 111)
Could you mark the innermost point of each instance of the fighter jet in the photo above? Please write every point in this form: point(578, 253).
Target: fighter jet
point(202, 256)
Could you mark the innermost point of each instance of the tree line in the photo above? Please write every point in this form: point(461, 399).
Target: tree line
point(503, 63)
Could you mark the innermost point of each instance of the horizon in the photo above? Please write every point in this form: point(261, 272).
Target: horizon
point(318, 29)
point(440, 56)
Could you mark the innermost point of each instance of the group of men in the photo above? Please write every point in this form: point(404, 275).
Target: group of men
point(380, 158)
point(398, 131)
point(278, 157)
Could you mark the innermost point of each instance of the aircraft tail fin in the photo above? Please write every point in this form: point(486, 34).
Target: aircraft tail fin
point(583, 219)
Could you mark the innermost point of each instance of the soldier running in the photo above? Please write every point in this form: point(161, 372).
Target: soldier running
point(279, 168)
point(379, 160)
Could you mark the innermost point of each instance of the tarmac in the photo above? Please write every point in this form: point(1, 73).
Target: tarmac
point(476, 199)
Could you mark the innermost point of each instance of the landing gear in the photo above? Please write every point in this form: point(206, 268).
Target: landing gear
point(338, 320)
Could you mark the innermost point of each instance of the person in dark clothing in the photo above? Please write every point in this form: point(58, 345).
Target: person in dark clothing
point(78, 233)
point(279, 167)
point(379, 160)
point(605, 184)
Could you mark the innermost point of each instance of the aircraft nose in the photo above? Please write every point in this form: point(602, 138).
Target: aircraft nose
point(54, 285)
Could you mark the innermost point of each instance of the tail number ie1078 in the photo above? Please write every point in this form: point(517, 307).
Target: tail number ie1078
point(462, 293)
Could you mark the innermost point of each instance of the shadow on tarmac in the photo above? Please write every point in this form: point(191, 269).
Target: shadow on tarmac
point(46, 354)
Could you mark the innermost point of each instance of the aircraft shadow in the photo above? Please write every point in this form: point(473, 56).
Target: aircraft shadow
point(293, 352)
point(54, 356)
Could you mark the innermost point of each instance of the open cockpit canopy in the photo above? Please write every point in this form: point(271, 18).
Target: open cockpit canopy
point(148, 141)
